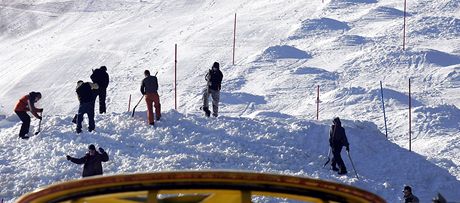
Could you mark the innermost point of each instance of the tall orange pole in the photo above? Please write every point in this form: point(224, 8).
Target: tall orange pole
point(129, 103)
point(234, 39)
point(317, 104)
point(175, 77)
point(404, 27)
point(410, 120)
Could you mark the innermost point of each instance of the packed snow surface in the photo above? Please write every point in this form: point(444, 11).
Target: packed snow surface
point(267, 122)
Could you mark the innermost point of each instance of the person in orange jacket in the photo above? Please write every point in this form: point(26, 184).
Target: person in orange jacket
point(26, 103)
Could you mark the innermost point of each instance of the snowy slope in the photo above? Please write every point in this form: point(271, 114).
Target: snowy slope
point(284, 50)
point(265, 142)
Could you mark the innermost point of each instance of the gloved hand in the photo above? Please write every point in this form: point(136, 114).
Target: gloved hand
point(39, 117)
point(68, 157)
point(101, 150)
point(348, 148)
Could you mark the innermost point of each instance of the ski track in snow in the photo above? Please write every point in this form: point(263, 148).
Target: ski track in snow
point(268, 102)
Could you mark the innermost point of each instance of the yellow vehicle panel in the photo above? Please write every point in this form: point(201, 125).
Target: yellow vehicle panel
point(197, 187)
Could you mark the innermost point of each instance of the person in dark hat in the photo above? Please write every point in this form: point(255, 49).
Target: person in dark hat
point(101, 78)
point(408, 196)
point(92, 161)
point(85, 92)
point(149, 88)
point(213, 87)
point(337, 140)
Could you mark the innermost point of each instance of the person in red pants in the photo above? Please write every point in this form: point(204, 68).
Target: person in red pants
point(149, 88)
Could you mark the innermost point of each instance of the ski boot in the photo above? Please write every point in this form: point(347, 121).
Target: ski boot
point(207, 112)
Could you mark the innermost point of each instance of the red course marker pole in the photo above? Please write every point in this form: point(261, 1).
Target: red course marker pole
point(175, 77)
point(234, 39)
point(129, 103)
point(404, 27)
point(410, 120)
point(317, 104)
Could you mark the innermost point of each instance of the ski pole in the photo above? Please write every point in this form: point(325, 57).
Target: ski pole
point(353, 165)
point(134, 109)
point(328, 157)
point(39, 125)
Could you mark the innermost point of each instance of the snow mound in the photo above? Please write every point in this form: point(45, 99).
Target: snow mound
point(283, 52)
point(241, 98)
point(383, 13)
point(432, 119)
point(352, 95)
point(451, 78)
point(351, 40)
point(345, 3)
point(394, 97)
point(436, 27)
point(268, 142)
point(440, 58)
point(316, 72)
point(320, 26)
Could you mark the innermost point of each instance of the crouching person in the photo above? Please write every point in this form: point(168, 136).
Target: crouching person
point(92, 161)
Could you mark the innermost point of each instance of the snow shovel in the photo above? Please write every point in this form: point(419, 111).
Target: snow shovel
point(134, 109)
point(39, 126)
point(348, 153)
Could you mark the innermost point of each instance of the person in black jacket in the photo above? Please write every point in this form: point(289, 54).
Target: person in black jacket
point(214, 81)
point(408, 196)
point(338, 139)
point(149, 88)
point(101, 78)
point(92, 161)
point(85, 92)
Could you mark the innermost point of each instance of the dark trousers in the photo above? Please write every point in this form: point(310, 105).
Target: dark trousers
point(337, 159)
point(215, 95)
point(102, 94)
point(25, 118)
point(88, 109)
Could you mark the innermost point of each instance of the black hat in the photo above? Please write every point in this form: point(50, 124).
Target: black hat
point(91, 147)
point(215, 65)
point(337, 121)
point(408, 188)
point(103, 68)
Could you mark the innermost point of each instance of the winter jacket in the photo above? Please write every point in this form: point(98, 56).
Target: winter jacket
point(26, 103)
point(214, 79)
point(149, 85)
point(411, 199)
point(337, 137)
point(92, 164)
point(85, 91)
point(101, 78)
